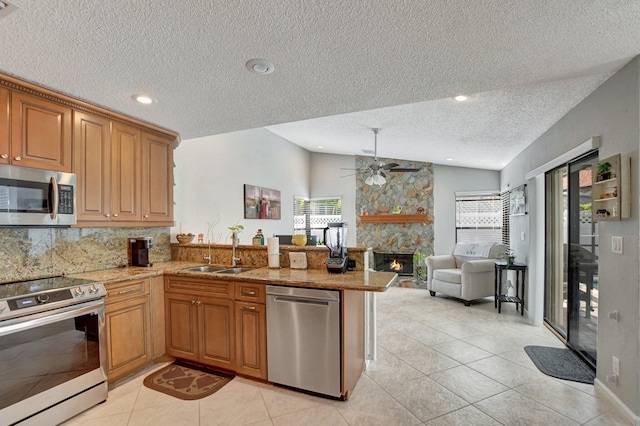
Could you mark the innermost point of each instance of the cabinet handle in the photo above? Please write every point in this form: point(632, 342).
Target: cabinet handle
point(248, 293)
point(126, 291)
point(17, 158)
point(4, 156)
point(198, 303)
point(193, 302)
point(107, 215)
point(146, 215)
point(248, 308)
point(115, 215)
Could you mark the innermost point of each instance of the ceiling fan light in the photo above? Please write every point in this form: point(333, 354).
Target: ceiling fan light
point(379, 180)
point(369, 180)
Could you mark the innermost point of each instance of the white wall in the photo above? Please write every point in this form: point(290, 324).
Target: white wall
point(612, 111)
point(448, 180)
point(210, 174)
point(326, 181)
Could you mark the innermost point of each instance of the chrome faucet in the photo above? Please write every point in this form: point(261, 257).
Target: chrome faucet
point(234, 243)
point(208, 257)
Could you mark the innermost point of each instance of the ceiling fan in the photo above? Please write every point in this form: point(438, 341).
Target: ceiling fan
point(376, 170)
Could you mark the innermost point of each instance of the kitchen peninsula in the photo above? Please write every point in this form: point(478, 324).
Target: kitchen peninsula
point(219, 319)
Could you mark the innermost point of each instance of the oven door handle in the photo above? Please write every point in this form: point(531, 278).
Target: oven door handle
point(50, 317)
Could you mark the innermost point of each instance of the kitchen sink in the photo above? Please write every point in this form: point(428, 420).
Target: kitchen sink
point(234, 270)
point(217, 269)
point(206, 268)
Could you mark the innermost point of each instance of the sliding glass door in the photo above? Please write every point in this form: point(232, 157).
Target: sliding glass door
point(571, 273)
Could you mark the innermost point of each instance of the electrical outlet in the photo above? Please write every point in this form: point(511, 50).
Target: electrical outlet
point(616, 365)
point(616, 244)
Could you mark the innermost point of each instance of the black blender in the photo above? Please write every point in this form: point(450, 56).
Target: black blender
point(335, 237)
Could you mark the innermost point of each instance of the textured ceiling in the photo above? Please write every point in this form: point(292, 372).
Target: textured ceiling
point(388, 63)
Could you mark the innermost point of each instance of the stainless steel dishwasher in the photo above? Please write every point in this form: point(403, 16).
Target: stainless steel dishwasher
point(303, 338)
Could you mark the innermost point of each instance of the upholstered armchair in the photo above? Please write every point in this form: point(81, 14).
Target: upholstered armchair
point(467, 274)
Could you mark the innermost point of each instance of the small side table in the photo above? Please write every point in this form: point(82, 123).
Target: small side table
point(499, 296)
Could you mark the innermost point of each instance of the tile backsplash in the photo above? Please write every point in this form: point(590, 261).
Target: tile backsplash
point(27, 253)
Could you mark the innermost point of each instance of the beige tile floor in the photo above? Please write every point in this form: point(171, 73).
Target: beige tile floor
point(439, 363)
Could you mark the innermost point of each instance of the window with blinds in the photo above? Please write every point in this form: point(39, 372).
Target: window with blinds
point(313, 215)
point(506, 209)
point(479, 217)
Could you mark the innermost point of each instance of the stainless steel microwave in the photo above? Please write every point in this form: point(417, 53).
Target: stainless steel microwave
point(33, 197)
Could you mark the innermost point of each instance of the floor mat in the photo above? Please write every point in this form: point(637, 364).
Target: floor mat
point(560, 363)
point(187, 381)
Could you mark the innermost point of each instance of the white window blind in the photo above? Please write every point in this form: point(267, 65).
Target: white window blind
point(479, 217)
point(315, 213)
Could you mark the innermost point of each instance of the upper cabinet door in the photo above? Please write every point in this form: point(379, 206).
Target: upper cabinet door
point(40, 133)
point(92, 166)
point(157, 178)
point(125, 173)
point(4, 126)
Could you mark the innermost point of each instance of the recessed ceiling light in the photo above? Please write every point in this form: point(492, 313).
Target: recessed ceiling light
point(320, 147)
point(449, 159)
point(143, 99)
point(260, 66)
point(461, 98)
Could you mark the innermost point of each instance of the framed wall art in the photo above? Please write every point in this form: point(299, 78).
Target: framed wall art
point(518, 201)
point(261, 203)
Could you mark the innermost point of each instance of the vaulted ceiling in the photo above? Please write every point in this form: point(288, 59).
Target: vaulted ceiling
point(341, 67)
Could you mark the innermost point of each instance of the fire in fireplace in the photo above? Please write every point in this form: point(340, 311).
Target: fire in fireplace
point(400, 263)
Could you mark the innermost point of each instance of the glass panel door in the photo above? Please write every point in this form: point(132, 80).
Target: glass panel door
point(582, 260)
point(571, 262)
point(555, 306)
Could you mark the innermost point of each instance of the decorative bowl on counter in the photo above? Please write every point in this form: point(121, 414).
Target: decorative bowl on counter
point(185, 238)
point(299, 239)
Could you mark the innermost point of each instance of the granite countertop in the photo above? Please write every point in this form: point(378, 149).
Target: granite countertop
point(314, 278)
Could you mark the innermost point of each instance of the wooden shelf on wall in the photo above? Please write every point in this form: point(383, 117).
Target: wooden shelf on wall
point(394, 218)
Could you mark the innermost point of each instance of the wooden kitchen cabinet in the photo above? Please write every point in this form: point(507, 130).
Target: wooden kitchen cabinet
point(216, 319)
point(125, 176)
point(157, 179)
point(199, 325)
point(92, 166)
point(126, 173)
point(128, 328)
point(251, 339)
point(181, 316)
point(40, 133)
point(4, 125)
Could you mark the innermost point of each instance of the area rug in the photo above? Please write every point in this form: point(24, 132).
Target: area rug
point(560, 363)
point(187, 381)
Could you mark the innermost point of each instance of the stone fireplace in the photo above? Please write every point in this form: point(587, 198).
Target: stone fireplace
point(386, 232)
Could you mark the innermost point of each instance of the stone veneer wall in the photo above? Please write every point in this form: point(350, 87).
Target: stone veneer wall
point(409, 190)
point(27, 253)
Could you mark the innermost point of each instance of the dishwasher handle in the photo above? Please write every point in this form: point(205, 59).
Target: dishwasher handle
point(289, 299)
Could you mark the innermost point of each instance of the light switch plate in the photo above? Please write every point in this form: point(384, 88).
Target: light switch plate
point(297, 260)
point(616, 244)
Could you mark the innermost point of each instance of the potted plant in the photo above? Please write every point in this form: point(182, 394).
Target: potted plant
point(509, 255)
point(603, 171)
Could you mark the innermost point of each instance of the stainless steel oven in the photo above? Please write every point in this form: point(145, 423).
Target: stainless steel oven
point(31, 197)
point(52, 355)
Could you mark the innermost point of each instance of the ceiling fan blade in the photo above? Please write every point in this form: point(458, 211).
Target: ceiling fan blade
point(389, 166)
point(381, 173)
point(403, 169)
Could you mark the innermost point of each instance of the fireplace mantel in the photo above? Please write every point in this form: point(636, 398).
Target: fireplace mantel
point(394, 218)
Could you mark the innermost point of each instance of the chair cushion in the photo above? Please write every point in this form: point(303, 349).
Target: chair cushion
point(448, 275)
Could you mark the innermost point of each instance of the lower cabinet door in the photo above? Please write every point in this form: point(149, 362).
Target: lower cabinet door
point(217, 332)
point(181, 322)
point(251, 339)
point(128, 331)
